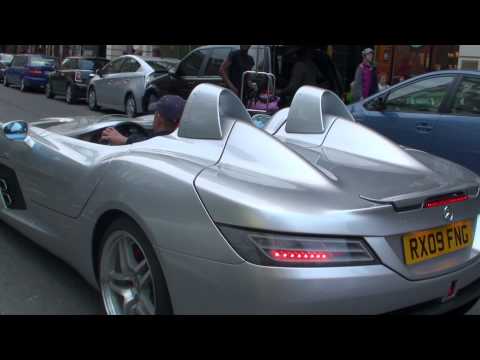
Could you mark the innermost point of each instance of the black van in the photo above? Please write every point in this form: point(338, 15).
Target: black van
point(202, 65)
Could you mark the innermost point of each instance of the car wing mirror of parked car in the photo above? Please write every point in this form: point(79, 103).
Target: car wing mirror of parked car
point(15, 130)
point(99, 72)
point(173, 72)
point(379, 103)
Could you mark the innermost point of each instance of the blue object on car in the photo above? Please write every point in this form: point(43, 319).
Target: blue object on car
point(438, 112)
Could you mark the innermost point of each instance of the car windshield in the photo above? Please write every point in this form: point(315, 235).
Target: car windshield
point(42, 61)
point(6, 58)
point(92, 64)
point(161, 66)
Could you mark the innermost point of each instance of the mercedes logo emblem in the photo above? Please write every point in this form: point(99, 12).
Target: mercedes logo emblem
point(448, 213)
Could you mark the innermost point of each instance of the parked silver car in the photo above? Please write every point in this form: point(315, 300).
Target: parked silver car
point(121, 84)
point(315, 214)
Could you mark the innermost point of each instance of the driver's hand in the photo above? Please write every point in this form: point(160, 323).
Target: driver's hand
point(113, 137)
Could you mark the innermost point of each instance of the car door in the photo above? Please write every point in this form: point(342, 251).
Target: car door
point(409, 114)
point(104, 86)
point(188, 74)
point(16, 69)
point(59, 77)
point(130, 78)
point(216, 57)
point(459, 130)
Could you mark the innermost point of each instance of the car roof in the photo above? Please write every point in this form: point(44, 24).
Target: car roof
point(87, 57)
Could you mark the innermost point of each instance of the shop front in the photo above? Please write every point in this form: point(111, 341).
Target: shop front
point(397, 61)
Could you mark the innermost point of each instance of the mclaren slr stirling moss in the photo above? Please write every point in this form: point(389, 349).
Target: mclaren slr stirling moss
point(314, 214)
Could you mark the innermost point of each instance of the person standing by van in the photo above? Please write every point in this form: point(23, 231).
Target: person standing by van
point(365, 83)
point(232, 69)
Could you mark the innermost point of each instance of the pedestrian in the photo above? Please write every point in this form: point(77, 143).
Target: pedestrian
point(365, 77)
point(382, 84)
point(232, 69)
point(305, 72)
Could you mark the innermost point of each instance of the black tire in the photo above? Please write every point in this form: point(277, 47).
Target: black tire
point(462, 310)
point(131, 111)
point(150, 99)
point(48, 91)
point(23, 86)
point(92, 105)
point(70, 95)
point(124, 223)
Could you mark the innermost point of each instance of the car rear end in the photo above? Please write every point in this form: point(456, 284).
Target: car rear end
point(86, 71)
point(336, 233)
point(37, 71)
point(371, 260)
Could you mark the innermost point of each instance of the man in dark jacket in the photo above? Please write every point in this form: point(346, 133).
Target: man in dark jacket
point(168, 112)
point(232, 69)
point(365, 83)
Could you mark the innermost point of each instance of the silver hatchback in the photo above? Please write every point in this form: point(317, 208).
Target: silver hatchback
point(121, 84)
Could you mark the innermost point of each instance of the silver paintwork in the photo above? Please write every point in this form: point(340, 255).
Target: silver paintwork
point(112, 89)
point(326, 175)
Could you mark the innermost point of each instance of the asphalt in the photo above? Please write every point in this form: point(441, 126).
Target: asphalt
point(33, 281)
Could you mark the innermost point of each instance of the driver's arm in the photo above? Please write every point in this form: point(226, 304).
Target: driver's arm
point(113, 137)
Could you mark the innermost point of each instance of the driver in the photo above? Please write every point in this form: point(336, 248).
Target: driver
point(168, 111)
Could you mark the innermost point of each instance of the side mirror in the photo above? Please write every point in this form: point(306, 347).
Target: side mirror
point(16, 130)
point(379, 103)
point(99, 72)
point(260, 120)
point(173, 72)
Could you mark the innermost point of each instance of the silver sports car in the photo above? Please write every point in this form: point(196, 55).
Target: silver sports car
point(314, 214)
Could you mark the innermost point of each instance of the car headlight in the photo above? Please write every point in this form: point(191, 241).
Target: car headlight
point(272, 249)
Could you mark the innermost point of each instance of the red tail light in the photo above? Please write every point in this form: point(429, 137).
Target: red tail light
point(78, 76)
point(300, 256)
point(35, 72)
point(445, 201)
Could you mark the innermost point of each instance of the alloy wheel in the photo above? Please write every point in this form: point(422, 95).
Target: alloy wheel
point(92, 100)
point(68, 95)
point(131, 107)
point(126, 279)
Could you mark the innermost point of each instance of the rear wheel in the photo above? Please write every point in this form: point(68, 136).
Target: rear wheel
point(48, 91)
point(130, 106)
point(152, 99)
point(130, 276)
point(69, 96)
point(92, 100)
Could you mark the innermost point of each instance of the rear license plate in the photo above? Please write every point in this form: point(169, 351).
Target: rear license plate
point(428, 244)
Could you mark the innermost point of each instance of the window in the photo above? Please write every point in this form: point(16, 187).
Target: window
point(192, 64)
point(91, 64)
point(130, 65)
point(216, 59)
point(6, 58)
point(470, 65)
point(421, 96)
point(67, 64)
point(42, 61)
point(467, 99)
point(19, 61)
point(113, 67)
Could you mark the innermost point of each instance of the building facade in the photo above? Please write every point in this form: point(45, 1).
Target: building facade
point(397, 61)
point(469, 57)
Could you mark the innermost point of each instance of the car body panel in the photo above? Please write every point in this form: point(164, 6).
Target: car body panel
point(217, 169)
point(443, 133)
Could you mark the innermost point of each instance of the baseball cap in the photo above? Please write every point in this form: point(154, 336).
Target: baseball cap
point(170, 107)
point(367, 51)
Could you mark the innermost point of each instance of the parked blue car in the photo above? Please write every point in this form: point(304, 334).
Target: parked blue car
point(29, 71)
point(438, 112)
